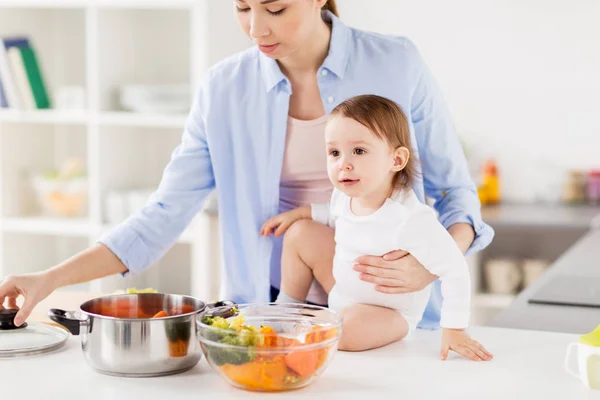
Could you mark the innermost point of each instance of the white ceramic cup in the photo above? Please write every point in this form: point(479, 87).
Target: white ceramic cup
point(502, 276)
point(532, 270)
point(588, 364)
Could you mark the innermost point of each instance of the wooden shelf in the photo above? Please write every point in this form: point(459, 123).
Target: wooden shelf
point(49, 226)
point(45, 117)
point(143, 120)
point(80, 43)
point(43, 3)
point(137, 4)
point(542, 215)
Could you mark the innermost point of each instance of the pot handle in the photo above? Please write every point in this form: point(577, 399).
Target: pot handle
point(222, 308)
point(66, 319)
point(222, 303)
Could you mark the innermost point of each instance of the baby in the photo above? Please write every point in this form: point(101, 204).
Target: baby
point(374, 211)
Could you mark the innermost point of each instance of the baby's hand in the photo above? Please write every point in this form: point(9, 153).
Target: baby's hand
point(459, 341)
point(280, 223)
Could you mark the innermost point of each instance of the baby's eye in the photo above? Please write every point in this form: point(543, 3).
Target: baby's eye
point(359, 151)
point(334, 153)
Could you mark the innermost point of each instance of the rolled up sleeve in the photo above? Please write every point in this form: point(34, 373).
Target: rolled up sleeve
point(446, 176)
point(144, 237)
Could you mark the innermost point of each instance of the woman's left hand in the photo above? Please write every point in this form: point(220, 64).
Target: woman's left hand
point(394, 272)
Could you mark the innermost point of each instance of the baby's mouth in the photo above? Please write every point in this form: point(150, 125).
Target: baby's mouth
point(348, 182)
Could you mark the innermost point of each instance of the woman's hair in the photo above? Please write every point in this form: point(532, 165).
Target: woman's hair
point(331, 6)
point(386, 120)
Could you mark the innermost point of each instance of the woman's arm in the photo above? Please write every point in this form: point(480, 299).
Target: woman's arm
point(446, 176)
point(187, 180)
point(463, 234)
point(145, 236)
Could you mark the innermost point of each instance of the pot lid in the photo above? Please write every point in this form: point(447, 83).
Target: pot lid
point(27, 339)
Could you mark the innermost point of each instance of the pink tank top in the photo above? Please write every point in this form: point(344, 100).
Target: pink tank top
point(304, 175)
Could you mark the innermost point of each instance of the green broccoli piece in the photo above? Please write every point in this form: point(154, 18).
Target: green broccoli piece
point(221, 356)
point(237, 335)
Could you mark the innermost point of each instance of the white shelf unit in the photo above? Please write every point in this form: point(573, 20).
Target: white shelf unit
point(101, 45)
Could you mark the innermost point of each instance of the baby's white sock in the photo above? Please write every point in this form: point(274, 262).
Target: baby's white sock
point(285, 298)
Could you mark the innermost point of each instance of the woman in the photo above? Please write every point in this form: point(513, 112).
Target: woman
point(248, 135)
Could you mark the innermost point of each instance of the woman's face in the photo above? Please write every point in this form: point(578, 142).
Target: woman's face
point(278, 27)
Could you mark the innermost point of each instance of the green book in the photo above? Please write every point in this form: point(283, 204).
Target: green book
point(34, 75)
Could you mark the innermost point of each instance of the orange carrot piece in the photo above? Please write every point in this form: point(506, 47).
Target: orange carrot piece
point(160, 314)
point(304, 363)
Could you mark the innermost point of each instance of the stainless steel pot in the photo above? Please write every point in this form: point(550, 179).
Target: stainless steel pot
point(120, 337)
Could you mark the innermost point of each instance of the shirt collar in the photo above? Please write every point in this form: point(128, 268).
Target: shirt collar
point(336, 59)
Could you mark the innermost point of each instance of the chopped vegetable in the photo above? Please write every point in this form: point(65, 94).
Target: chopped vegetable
point(178, 348)
point(135, 291)
point(244, 335)
point(304, 363)
point(160, 314)
point(266, 371)
point(262, 374)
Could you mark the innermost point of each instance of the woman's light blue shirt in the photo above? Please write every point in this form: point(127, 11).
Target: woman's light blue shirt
point(234, 141)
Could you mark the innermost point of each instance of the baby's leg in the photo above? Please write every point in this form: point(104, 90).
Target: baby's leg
point(308, 248)
point(367, 327)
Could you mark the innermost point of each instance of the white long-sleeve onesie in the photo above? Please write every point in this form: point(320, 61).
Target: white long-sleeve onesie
point(402, 222)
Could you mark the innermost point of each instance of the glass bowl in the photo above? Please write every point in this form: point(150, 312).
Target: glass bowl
point(269, 347)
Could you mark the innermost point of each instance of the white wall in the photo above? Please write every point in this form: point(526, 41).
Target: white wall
point(522, 77)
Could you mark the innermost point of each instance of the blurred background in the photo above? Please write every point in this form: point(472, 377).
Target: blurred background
point(100, 91)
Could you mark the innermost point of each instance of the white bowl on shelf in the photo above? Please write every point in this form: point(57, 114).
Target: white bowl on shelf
point(65, 198)
point(161, 99)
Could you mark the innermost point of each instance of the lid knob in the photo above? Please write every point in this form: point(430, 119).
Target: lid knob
point(7, 319)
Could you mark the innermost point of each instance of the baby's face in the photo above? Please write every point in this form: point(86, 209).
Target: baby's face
point(358, 163)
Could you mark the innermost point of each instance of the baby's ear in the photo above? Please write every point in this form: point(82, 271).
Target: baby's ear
point(401, 156)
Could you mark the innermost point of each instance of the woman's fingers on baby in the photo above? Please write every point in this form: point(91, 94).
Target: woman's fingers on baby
point(393, 289)
point(373, 261)
point(380, 280)
point(395, 255)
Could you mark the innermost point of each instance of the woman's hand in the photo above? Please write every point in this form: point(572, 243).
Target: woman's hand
point(459, 341)
point(33, 287)
point(394, 272)
point(280, 223)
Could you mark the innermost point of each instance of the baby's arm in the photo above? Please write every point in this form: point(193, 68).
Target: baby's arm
point(427, 240)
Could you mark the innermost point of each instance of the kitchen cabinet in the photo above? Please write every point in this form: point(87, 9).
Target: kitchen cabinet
point(99, 46)
point(525, 231)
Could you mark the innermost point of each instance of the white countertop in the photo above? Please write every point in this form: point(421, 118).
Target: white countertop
point(528, 365)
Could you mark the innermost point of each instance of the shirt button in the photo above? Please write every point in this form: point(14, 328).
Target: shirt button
point(323, 72)
point(330, 99)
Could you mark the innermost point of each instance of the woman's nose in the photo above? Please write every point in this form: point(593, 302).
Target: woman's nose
point(258, 28)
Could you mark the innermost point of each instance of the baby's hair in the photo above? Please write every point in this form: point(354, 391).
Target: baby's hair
point(387, 121)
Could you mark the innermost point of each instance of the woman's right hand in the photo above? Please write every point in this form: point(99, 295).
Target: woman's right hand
point(280, 223)
point(33, 287)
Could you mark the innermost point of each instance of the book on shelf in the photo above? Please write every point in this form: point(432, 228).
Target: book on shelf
point(21, 79)
point(3, 99)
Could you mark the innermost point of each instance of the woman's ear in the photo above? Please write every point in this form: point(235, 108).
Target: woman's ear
point(401, 156)
point(320, 3)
